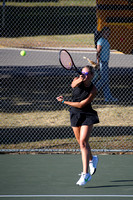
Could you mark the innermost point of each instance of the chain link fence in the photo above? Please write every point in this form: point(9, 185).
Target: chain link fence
point(31, 117)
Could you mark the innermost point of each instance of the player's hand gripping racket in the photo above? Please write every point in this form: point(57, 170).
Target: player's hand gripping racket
point(66, 61)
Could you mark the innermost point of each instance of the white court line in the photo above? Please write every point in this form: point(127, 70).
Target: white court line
point(39, 196)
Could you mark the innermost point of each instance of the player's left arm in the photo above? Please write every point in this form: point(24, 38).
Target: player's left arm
point(82, 103)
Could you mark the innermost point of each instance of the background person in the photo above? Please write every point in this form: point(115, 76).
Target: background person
point(82, 118)
point(103, 55)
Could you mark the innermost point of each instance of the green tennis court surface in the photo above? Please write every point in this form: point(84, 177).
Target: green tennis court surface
point(54, 177)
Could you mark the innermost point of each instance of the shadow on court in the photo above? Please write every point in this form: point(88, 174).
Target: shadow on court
point(32, 134)
point(35, 88)
point(57, 175)
point(111, 186)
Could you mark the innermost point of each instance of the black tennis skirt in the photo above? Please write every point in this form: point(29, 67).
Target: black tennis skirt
point(80, 119)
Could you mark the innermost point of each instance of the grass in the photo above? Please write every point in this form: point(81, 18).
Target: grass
point(79, 40)
point(109, 115)
point(115, 122)
point(58, 3)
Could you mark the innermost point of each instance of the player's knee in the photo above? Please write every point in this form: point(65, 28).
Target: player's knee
point(83, 144)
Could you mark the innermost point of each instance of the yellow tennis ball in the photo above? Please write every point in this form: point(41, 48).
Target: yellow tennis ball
point(22, 53)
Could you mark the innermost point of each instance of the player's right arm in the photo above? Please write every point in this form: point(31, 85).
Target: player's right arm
point(82, 103)
point(77, 81)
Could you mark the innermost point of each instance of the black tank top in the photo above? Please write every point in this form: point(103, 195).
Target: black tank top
point(80, 93)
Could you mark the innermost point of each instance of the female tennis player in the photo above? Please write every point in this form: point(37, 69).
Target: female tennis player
point(82, 118)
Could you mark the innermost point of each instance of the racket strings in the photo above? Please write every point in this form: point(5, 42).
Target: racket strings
point(66, 60)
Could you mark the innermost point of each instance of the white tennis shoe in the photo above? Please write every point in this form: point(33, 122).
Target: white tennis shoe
point(84, 179)
point(93, 165)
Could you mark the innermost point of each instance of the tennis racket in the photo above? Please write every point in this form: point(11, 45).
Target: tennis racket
point(66, 61)
point(91, 62)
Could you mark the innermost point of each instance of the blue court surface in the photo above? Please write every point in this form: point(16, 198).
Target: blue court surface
point(53, 177)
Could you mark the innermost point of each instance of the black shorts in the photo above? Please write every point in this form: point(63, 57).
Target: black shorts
point(80, 119)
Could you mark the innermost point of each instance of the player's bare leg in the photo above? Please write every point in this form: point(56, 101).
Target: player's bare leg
point(76, 131)
point(85, 132)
